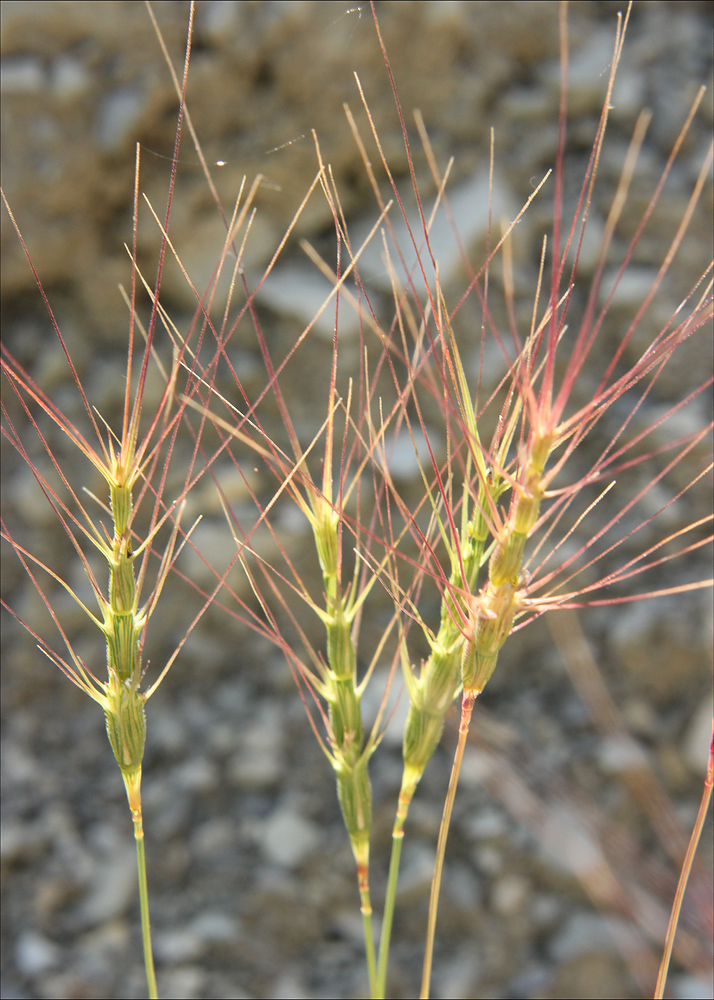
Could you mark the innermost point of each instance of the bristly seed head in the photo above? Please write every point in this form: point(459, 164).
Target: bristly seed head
point(126, 722)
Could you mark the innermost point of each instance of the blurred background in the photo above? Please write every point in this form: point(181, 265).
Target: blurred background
point(585, 769)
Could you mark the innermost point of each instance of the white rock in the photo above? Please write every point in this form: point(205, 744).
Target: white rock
point(35, 954)
point(288, 838)
point(300, 290)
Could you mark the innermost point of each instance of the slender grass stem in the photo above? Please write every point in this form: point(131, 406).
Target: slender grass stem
point(390, 898)
point(684, 876)
point(133, 791)
point(467, 704)
point(361, 852)
point(369, 946)
point(145, 924)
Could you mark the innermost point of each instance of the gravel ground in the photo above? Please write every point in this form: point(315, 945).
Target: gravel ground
point(572, 807)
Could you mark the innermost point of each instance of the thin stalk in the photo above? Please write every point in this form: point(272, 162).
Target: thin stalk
point(467, 704)
point(361, 852)
point(133, 786)
point(684, 876)
point(145, 925)
point(390, 899)
point(369, 948)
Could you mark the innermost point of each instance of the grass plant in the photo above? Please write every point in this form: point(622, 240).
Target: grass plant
point(134, 465)
point(553, 486)
point(531, 428)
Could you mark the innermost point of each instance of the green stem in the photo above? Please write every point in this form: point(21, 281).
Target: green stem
point(132, 781)
point(360, 849)
point(145, 926)
point(389, 902)
point(369, 945)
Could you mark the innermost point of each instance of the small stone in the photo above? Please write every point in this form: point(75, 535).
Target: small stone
point(621, 753)
point(288, 839)
point(118, 117)
point(113, 888)
point(301, 291)
point(510, 895)
point(181, 945)
point(35, 954)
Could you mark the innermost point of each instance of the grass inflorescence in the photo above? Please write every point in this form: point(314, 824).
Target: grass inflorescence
point(554, 464)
